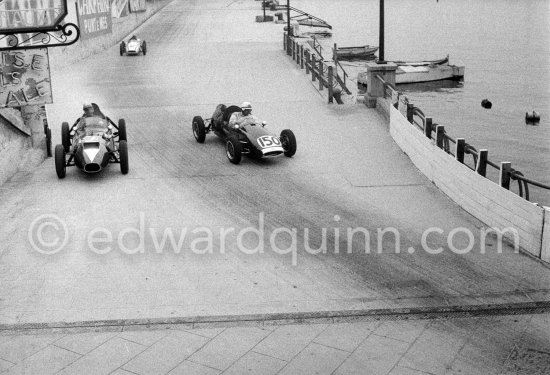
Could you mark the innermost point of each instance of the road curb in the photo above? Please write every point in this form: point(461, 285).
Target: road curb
point(337, 316)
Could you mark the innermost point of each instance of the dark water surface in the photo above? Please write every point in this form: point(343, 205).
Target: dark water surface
point(505, 47)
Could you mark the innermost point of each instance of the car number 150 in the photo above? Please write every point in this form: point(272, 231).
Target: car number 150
point(268, 141)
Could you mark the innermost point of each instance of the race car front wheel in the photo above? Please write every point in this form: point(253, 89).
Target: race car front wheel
point(60, 163)
point(288, 141)
point(122, 130)
point(234, 150)
point(199, 130)
point(66, 136)
point(123, 155)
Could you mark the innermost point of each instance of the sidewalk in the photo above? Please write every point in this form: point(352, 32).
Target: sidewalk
point(517, 344)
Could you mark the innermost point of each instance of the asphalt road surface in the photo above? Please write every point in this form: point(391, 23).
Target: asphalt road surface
point(346, 175)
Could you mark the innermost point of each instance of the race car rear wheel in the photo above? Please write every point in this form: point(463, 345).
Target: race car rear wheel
point(122, 130)
point(122, 48)
point(66, 136)
point(288, 141)
point(199, 130)
point(144, 47)
point(60, 163)
point(233, 150)
point(123, 155)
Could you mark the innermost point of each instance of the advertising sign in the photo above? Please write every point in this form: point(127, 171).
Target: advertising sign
point(25, 78)
point(119, 8)
point(94, 18)
point(17, 15)
point(138, 6)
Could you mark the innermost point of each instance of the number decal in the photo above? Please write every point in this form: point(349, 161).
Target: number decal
point(268, 141)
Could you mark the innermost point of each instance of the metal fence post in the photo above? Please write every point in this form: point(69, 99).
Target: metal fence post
point(481, 167)
point(293, 49)
point(321, 78)
point(428, 127)
point(504, 175)
point(308, 61)
point(410, 108)
point(330, 88)
point(313, 67)
point(439, 135)
point(301, 56)
point(284, 41)
point(459, 153)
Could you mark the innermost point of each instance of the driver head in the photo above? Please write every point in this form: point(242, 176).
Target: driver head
point(88, 108)
point(246, 108)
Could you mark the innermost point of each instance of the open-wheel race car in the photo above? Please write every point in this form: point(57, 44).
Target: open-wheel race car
point(92, 143)
point(133, 47)
point(248, 137)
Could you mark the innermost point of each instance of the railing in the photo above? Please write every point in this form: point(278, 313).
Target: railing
point(480, 159)
point(321, 71)
point(303, 16)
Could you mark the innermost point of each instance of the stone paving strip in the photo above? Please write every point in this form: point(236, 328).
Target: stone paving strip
point(518, 344)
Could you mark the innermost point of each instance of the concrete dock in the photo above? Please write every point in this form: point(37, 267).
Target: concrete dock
point(347, 174)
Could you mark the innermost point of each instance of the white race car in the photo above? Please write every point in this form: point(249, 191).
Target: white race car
point(133, 47)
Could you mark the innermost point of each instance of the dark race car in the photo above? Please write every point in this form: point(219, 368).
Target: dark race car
point(133, 47)
point(250, 138)
point(91, 144)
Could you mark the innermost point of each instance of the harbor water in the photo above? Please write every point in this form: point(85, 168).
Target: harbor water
point(505, 47)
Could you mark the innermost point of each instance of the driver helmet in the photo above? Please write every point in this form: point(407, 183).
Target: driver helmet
point(246, 106)
point(86, 106)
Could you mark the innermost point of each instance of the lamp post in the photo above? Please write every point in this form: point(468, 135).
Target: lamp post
point(381, 34)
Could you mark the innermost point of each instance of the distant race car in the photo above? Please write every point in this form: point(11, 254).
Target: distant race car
point(250, 138)
point(133, 47)
point(91, 144)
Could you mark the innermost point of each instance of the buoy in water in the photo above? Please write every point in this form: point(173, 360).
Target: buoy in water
point(485, 103)
point(532, 117)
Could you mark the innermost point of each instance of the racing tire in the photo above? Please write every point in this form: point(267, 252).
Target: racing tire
point(60, 162)
point(122, 48)
point(288, 141)
point(66, 136)
point(123, 155)
point(122, 130)
point(233, 150)
point(199, 130)
point(144, 48)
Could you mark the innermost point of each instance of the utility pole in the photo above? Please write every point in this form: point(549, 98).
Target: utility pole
point(381, 34)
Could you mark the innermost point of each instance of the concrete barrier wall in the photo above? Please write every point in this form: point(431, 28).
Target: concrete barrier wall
point(121, 27)
point(487, 201)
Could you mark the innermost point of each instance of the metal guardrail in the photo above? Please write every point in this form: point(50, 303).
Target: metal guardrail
point(437, 133)
point(321, 71)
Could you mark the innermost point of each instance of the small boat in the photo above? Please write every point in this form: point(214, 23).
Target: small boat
point(427, 71)
point(313, 23)
point(356, 52)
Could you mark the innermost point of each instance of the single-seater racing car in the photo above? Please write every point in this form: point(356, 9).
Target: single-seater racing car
point(250, 137)
point(92, 143)
point(133, 47)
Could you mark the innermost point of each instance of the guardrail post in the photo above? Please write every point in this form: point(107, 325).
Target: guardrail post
point(293, 49)
point(321, 78)
point(308, 61)
point(284, 41)
point(330, 81)
point(410, 108)
point(428, 127)
point(459, 153)
point(301, 56)
point(439, 134)
point(481, 167)
point(313, 67)
point(504, 175)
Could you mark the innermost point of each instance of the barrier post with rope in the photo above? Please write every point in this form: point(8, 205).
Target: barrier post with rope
point(439, 134)
point(505, 174)
point(481, 167)
point(428, 127)
point(330, 87)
